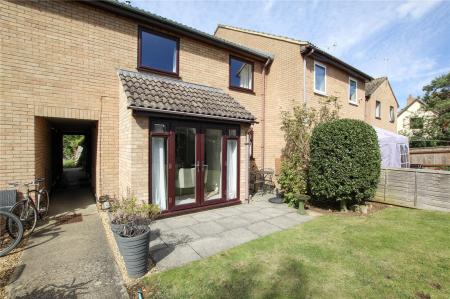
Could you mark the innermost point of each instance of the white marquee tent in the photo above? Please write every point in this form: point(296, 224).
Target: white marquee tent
point(394, 149)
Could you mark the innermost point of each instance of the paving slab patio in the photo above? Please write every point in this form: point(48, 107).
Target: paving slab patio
point(179, 240)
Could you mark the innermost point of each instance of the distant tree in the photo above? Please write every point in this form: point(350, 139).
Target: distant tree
point(437, 101)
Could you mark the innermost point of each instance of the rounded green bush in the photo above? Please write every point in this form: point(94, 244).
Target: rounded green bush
point(345, 162)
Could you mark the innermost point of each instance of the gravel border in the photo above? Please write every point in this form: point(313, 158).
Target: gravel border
point(8, 265)
point(130, 283)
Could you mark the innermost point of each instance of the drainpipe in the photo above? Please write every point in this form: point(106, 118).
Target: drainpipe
point(263, 147)
point(305, 100)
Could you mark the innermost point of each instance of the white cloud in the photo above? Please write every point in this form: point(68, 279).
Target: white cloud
point(415, 9)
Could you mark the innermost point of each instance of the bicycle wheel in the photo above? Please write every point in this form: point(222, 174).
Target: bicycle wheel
point(44, 203)
point(27, 213)
point(11, 232)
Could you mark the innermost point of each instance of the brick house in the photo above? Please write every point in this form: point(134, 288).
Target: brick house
point(304, 74)
point(166, 109)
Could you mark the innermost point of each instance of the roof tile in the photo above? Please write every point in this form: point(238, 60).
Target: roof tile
point(171, 95)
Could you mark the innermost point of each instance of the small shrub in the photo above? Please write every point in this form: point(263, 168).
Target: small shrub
point(345, 162)
point(135, 216)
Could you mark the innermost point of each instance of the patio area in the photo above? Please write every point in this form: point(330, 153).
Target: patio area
point(178, 240)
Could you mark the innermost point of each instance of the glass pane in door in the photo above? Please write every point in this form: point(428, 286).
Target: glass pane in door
point(232, 170)
point(212, 165)
point(185, 166)
point(159, 172)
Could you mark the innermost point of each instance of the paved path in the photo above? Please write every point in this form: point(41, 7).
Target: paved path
point(179, 240)
point(69, 257)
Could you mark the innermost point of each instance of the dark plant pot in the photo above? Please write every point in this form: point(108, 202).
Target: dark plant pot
point(135, 251)
point(302, 199)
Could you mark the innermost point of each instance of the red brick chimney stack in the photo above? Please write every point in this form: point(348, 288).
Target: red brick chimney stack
point(409, 100)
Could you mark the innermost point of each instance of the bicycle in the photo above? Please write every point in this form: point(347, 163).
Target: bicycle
point(11, 232)
point(29, 210)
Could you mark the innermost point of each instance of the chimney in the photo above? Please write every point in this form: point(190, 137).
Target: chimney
point(409, 100)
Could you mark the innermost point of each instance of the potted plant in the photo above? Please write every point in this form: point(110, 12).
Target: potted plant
point(130, 224)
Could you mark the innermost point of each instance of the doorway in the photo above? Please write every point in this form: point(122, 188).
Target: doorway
point(193, 164)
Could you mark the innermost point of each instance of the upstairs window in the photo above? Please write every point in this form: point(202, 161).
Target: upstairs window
point(391, 114)
point(377, 109)
point(241, 74)
point(320, 80)
point(353, 91)
point(158, 52)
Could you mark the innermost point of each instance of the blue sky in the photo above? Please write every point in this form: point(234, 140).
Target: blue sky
point(409, 41)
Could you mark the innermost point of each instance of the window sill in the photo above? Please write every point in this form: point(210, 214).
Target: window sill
point(377, 117)
point(158, 72)
point(320, 93)
point(353, 103)
point(250, 91)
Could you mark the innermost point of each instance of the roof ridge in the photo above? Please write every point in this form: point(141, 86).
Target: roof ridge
point(170, 80)
point(147, 13)
point(266, 34)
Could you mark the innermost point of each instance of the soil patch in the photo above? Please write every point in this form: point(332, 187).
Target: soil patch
point(372, 207)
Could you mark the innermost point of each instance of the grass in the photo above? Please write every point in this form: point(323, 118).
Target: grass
point(394, 253)
point(69, 163)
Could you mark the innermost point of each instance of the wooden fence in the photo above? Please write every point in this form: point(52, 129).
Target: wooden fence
point(431, 157)
point(415, 188)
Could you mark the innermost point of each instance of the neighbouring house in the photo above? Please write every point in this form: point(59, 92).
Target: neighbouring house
point(301, 73)
point(381, 104)
point(412, 117)
point(171, 114)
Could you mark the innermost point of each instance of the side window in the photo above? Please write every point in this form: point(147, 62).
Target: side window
point(320, 78)
point(377, 109)
point(353, 91)
point(391, 114)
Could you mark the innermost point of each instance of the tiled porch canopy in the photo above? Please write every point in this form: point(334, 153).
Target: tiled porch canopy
point(171, 96)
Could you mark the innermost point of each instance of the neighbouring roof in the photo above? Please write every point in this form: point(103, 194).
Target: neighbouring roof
point(128, 10)
point(375, 83)
point(305, 47)
point(317, 53)
point(407, 106)
point(265, 34)
point(172, 96)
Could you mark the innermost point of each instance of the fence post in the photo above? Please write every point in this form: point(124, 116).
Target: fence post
point(385, 183)
point(415, 189)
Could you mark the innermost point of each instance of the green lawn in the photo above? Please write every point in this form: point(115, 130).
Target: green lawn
point(394, 253)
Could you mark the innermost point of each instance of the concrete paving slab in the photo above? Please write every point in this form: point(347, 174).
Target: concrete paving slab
point(208, 228)
point(263, 228)
point(179, 236)
point(273, 212)
point(232, 222)
point(180, 221)
point(210, 245)
point(157, 244)
point(223, 228)
point(253, 217)
point(206, 216)
point(229, 211)
point(170, 256)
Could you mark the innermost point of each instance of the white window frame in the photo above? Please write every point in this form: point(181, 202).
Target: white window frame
point(391, 116)
point(356, 91)
point(377, 116)
point(325, 79)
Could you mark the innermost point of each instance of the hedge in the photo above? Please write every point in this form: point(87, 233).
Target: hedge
point(345, 162)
